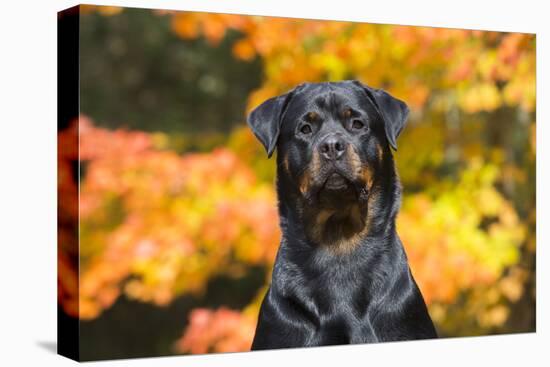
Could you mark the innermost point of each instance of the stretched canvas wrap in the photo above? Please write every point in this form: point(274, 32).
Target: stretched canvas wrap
point(169, 213)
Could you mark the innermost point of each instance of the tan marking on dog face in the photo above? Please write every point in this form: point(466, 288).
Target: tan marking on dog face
point(359, 168)
point(367, 174)
point(354, 160)
point(286, 164)
point(304, 182)
point(312, 116)
point(311, 172)
point(379, 153)
point(346, 113)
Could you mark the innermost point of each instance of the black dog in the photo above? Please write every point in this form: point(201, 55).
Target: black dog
point(341, 274)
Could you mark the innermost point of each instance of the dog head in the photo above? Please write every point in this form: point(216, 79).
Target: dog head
point(334, 155)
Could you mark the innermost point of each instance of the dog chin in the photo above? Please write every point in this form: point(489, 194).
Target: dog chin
point(336, 182)
point(336, 191)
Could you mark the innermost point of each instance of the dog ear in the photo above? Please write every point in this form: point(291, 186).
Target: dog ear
point(394, 112)
point(265, 120)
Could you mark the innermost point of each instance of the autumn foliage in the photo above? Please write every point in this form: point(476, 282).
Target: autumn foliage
point(222, 330)
point(156, 224)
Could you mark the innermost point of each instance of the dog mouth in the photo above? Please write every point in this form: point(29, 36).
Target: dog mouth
point(335, 192)
point(335, 187)
point(336, 182)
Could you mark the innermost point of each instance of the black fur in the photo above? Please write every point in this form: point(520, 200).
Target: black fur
point(341, 274)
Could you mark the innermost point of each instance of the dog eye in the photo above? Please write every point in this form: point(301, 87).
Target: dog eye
point(357, 124)
point(306, 129)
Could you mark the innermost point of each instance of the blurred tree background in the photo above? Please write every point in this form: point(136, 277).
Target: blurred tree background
point(178, 220)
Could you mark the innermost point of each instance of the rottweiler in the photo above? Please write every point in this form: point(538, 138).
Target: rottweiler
point(341, 275)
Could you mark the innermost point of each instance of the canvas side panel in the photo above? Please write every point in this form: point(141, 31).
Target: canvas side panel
point(67, 182)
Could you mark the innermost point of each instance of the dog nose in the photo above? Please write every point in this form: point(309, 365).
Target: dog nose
point(332, 148)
